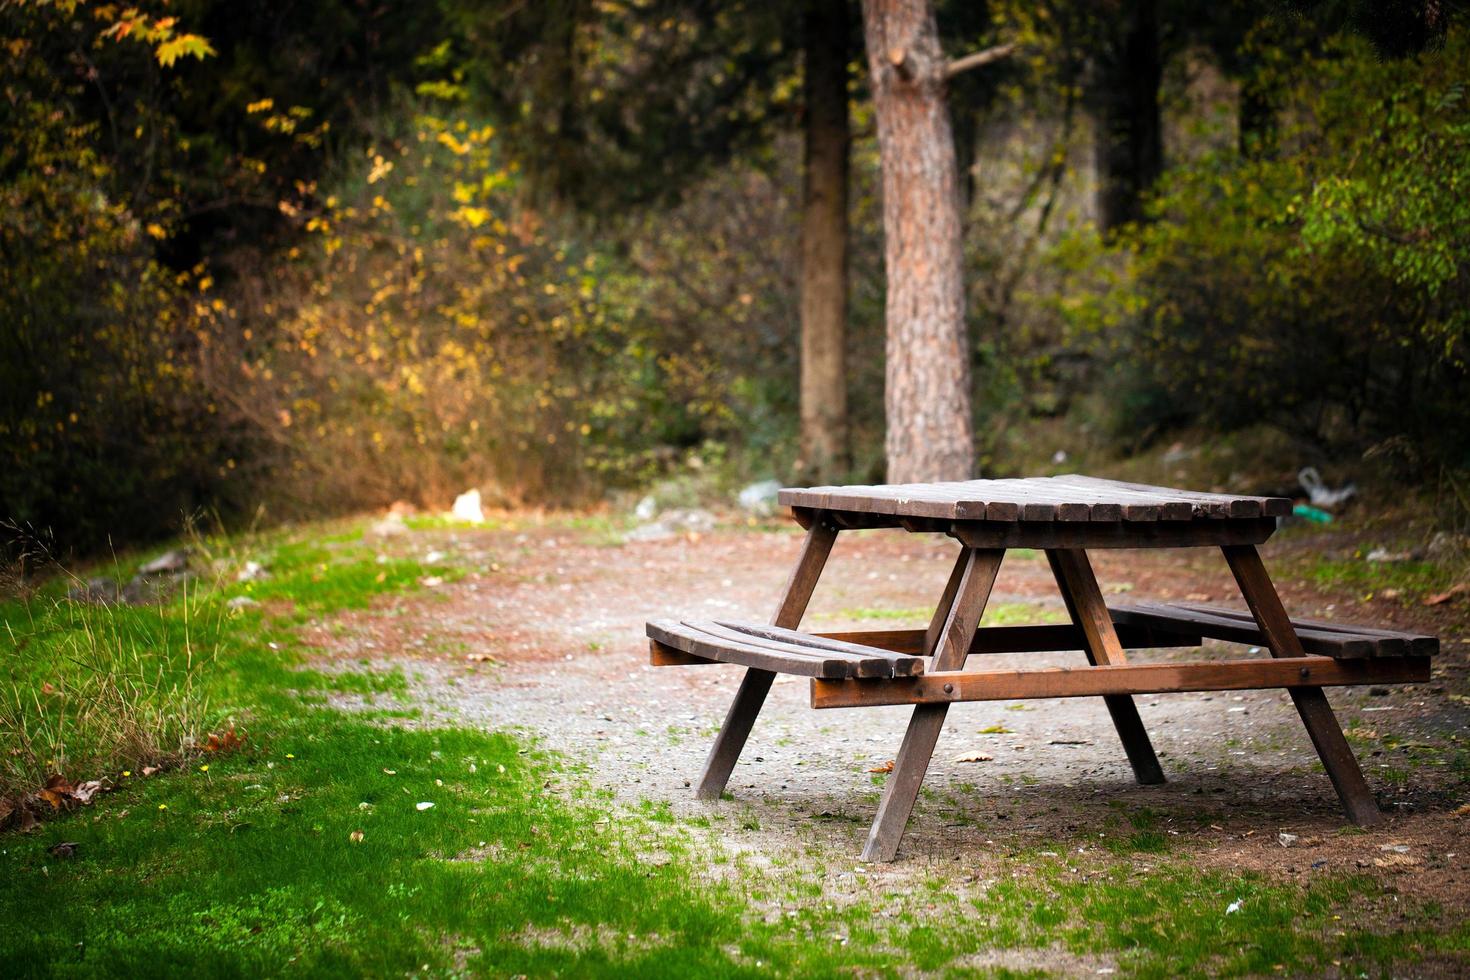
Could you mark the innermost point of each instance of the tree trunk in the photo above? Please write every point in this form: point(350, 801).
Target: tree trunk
point(927, 397)
point(825, 454)
point(1129, 140)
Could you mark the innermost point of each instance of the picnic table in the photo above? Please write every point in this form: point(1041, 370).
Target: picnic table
point(1064, 516)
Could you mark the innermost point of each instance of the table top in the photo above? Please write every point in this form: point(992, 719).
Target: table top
point(1051, 498)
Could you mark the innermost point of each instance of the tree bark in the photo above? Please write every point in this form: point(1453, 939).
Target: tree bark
point(927, 396)
point(1129, 139)
point(825, 453)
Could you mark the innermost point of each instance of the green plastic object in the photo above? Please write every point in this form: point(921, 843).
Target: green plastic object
point(1316, 515)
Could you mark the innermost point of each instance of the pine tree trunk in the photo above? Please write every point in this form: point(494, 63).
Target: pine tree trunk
point(1129, 140)
point(927, 397)
point(825, 455)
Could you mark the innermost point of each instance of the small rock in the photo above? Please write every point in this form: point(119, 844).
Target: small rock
point(65, 849)
point(253, 571)
point(168, 563)
point(1287, 839)
point(242, 602)
point(467, 508)
point(647, 509)
point(1447, 545)
point(759, 498)
point(1378, 692)
point(96, 590)
point(1384, 555)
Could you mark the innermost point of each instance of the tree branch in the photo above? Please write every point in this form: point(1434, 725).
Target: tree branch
point(978, 59)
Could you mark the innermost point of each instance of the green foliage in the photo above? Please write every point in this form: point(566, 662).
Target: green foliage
point(1322, 287)
point(105, 426)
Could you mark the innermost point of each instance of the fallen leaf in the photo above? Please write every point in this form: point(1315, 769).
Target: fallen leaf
point(1439, 598)
point(885, 767)
point(1460, 811)
point(87, 790)
point(149, 770)
point(974, 757)
point(1070, 741)
point(356, 837)
point(1395, 861)
point(226, 741)
point(64, 849)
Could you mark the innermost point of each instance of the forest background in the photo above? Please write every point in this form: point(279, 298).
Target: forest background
point(276, 260)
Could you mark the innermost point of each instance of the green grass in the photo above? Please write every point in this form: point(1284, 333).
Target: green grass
point(246, 863)
point(1412, 579)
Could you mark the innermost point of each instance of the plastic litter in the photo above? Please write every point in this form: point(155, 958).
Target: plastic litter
point(1319, 493)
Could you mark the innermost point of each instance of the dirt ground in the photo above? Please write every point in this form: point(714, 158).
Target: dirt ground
point(545, 635)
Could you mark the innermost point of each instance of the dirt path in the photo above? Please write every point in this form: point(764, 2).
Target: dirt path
point(546, 637)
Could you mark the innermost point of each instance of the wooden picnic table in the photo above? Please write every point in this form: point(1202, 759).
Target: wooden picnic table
point(1065, 516)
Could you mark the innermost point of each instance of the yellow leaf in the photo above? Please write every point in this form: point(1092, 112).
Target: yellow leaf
point(185, 44)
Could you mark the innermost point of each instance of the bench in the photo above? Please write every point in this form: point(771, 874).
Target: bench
point(866, 656)
point(1066, 517)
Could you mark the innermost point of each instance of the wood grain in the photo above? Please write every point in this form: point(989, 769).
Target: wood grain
point(945, 687)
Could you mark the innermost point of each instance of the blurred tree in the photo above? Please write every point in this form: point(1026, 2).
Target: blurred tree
point(614, 106)
point(927, 395)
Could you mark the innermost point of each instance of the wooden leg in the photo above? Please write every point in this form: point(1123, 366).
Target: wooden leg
point(902, 789)
point(752, 693)
point(946, 602)
point(1089, 612)
point(1316, 713)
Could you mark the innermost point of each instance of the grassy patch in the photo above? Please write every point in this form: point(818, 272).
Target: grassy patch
point(1412, 579)
point(313, 850)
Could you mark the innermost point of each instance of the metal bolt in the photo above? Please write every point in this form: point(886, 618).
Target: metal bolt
point(949, 689)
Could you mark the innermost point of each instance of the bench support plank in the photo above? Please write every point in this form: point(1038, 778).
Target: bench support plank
point(961, 621)
point(1316, 713)
point(756, 684)
point(1089, 613)
point(1123, 679)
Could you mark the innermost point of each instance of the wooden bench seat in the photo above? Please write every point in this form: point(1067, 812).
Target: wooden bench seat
point(772, 648)
point(1336, 640)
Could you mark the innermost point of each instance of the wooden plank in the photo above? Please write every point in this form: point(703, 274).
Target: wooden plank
point(912, 761)
point(1067, 498)
point(803, 662)
point(1089, 612)
point(901, 665)
point(1216, 504)
point(945, 687)
point(1135, 504)
point(1417, 644)
point(660, 655)
point(757, 683)
point(1019, 639)
point(1311, 704)
point(1164, 616)
point(1127, 534)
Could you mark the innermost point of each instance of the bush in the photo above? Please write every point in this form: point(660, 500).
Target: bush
point(1322, 289)
point(106, 431)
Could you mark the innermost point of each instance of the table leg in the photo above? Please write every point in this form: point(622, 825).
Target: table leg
point(1316, 712)
point(1089, 612)
point(971, 592)
point(752, 693)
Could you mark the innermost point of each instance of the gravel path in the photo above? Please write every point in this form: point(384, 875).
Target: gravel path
point(546, 638)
